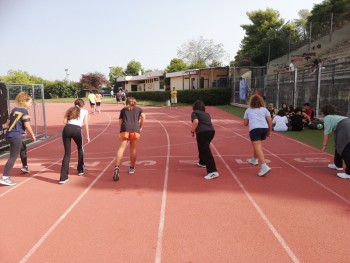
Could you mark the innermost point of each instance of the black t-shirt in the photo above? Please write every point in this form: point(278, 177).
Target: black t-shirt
point(204, 121)
point(296, 121)
point(130, 119)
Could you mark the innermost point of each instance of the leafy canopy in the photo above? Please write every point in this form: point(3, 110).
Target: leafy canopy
point(199, 51)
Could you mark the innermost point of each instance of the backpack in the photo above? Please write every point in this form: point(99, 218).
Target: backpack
point(315, 124)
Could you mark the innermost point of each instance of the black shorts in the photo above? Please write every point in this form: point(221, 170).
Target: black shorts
point(98, 103)
point(258, 134)
point(92, 103)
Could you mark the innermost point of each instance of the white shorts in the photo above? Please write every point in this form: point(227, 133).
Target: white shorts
point(174, 100)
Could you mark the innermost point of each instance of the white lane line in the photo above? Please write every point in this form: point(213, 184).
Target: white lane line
point(264, 217)
point(63, 216)
point(158, 257)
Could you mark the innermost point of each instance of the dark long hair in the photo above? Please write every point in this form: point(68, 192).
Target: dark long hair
point(198, 105)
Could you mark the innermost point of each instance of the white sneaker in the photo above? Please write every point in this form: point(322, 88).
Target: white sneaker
point(63, 181)
point(201, 165)
point(264, 171)
point(253, 161)
point(343, 175)
point(7, 181)
point(211, 175)
point(333, 166)
point(25, 169)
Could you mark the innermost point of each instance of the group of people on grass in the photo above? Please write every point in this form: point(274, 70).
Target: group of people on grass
point(289, 118)
point(132, 118)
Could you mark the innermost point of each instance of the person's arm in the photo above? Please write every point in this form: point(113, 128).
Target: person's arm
point(29, 129)
point(65, 120)
point(142, 120)
point(195, 123)
point(86, 123)
point(325, 142)
point(245, 122)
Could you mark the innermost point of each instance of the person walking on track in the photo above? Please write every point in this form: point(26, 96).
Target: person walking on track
point(92, 101)
point(131, 121)
point(204, 130)
point(17, 125)
point(173, 96)
point(74, 118)
point(98, 101)
point(259, 121)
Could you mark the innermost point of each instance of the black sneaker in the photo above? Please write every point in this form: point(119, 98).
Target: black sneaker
point(116, 174)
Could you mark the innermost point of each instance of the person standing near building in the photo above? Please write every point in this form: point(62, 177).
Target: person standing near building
point(92, 101)
point(259, 121)
point(204, 130)
point(173, 97)
point(131, 121)
point(17, 125)
point(74, 118)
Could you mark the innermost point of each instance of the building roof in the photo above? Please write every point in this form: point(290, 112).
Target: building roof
point(148, 75)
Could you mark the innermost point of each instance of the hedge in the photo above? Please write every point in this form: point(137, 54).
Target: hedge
point(211, 96)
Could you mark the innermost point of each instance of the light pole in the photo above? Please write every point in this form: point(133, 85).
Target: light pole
point(66, 74)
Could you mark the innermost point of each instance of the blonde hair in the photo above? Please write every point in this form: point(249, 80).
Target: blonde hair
point(130, 103)
point(22, 98)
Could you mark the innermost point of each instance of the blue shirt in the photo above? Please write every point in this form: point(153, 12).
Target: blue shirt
point(257, 117)
point(18, 117)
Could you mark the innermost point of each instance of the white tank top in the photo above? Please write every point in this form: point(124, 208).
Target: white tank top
point(80, 120)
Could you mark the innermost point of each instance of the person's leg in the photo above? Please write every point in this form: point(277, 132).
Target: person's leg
point(66, 139)
point(23, 155)
point(15, 148)
point(258, 152)
point(346, 157)
point(205, 154)
point(78, 139)
point(120, 152)
point(338, 160)
point(133, 152)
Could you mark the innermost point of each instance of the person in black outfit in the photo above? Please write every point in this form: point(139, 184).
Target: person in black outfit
point(296, 120)
point(202, 126)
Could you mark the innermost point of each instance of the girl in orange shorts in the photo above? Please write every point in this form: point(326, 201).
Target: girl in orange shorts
point(131, 120)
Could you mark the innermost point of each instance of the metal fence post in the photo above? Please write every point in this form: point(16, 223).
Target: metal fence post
point(318, 90)
point(295, 97)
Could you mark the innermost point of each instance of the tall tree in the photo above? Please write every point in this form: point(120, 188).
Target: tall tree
point(176, 64)
point(267, 32)
point(133, 68)
point(93, 81)
point(115, 72)
point(201, 50)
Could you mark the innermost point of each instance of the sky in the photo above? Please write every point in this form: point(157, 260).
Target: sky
point(46, 37)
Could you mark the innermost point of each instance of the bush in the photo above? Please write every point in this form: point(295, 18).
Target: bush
point(211, 96)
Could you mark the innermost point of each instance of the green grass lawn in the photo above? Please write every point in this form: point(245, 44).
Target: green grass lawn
point(307, 136)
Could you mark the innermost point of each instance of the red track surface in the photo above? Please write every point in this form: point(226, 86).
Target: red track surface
point(166, 211)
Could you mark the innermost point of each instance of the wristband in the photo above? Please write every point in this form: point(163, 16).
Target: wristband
point(324, 145)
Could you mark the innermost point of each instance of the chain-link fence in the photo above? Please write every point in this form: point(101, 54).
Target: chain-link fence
point(325, 85)
point(37, 115)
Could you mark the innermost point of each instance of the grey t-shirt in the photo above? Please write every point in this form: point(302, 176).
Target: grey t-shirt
point(204, 121)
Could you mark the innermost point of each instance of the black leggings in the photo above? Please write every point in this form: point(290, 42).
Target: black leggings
point(71, 131)
point(205, 155)
point(17, 146)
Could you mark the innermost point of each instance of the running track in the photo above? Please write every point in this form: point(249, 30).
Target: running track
point(166, 211)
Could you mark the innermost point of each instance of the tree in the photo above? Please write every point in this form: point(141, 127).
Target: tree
point(93, 81)
point(176, 64)
point(198, 64)
point(267, 32)
point(201, 50)
point(18, 76)
point(133, 68)
point(320, 15)
point(301, 23)
point(115, 72)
